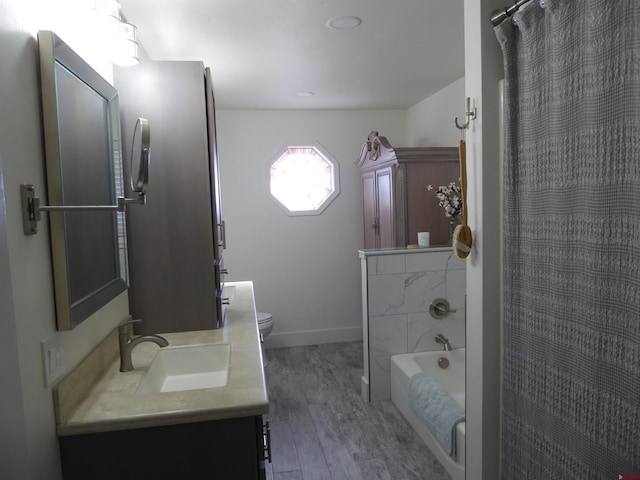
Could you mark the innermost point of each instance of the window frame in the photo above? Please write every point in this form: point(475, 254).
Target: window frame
point(335, 179)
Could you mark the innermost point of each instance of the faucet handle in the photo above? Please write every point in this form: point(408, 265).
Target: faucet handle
point(440, 308)
point(124, 326)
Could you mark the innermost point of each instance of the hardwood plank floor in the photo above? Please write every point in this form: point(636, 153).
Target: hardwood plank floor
point(321, 429)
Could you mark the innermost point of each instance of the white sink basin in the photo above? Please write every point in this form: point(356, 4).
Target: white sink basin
point(187, 368)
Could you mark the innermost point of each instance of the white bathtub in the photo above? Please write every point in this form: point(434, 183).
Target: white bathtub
point(452, 379)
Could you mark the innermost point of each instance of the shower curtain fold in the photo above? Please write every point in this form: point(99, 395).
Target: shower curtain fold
point(571, 335)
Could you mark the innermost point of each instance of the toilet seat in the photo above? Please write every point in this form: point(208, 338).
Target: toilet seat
point(265, 323)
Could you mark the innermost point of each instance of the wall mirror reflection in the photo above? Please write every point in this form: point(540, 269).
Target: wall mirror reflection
point(84, 167)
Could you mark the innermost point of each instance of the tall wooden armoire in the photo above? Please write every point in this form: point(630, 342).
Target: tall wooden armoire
point(397, 201)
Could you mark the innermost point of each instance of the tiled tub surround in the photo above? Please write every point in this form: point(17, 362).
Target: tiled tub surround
point(398, 286)
point(107, 401)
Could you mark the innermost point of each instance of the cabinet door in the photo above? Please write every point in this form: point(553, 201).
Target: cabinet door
point(384, 184)
point(370, 210)
point(219, 240)
point(227, 449)
point(170, 240)
point(419, 200)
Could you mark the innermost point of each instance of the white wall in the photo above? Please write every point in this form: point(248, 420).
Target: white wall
point(13, 461)
point(431, 122)
point(483, 70)
point(28, 444)
point(306, 270)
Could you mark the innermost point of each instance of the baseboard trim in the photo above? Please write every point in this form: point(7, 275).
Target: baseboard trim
point(313, 337)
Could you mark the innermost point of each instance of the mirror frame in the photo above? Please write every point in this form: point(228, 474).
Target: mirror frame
point(54, 52)
point(142, 139)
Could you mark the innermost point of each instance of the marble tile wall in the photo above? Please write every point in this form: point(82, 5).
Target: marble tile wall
point(400, 288)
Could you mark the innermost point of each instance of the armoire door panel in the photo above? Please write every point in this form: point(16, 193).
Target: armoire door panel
point(423, 210)
point(370, 225)
point(384, 182)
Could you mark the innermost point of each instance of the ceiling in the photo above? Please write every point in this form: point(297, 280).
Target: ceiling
point(264, 53)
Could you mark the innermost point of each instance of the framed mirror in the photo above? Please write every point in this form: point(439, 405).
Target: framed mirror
point(140, 157)
point(84, 167)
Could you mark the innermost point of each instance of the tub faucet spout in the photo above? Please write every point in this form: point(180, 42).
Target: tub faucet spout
point(127, 343)
point(443, 341)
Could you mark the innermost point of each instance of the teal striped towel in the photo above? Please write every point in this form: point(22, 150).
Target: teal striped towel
point(436, 408)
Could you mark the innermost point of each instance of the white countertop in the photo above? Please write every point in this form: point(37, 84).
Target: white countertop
point(111, 403)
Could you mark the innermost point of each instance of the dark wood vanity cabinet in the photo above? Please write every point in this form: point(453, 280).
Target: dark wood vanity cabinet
point(215, 450)
point(396, 199)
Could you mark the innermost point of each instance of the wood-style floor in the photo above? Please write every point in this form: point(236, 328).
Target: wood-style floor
point(322, 429)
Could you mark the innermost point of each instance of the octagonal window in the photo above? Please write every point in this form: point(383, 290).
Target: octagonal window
point(303, 181)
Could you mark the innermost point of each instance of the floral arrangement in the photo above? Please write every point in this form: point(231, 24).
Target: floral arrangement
point(450, 198)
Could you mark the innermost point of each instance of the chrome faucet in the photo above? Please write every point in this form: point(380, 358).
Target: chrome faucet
point(444, 341)
point(127, 343)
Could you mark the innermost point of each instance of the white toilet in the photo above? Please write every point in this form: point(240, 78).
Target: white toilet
point(265, 324)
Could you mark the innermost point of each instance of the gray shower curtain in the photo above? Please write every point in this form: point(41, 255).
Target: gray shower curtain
point(571, 361)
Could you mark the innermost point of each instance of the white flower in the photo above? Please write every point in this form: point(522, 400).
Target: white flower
point(450, 199)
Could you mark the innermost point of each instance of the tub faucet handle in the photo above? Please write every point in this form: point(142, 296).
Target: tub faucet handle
point(440, 308)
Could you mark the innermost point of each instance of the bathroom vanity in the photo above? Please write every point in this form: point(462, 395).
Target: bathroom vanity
point(108, 430)
point(222, 449)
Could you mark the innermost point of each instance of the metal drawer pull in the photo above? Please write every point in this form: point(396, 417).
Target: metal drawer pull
point(266, 439)
point(222, 242)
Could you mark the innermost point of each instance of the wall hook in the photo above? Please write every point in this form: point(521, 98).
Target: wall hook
point(470, 114)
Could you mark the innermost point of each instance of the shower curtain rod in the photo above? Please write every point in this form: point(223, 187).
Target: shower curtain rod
point(499, 15)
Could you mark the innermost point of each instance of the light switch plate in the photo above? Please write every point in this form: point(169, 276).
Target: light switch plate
point(52, 362)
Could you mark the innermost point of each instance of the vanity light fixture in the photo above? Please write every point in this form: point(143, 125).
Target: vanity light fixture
point(344, 23)
point(120, 36)
point(124, 47)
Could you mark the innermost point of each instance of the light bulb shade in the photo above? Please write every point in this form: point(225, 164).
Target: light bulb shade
point(124, 48)
point(109, 8)
point(126, 31)
point(124, 53)
point(115, 37)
